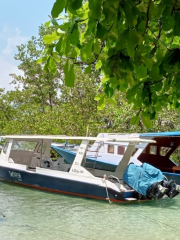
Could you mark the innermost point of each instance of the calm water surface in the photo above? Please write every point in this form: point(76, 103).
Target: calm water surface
point(32, 214)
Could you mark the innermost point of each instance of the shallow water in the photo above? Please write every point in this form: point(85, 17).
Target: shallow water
point(32, 214)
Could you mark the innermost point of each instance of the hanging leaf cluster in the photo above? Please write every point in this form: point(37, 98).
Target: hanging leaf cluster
point(135, 44)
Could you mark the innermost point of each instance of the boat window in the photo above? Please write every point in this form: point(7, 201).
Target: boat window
point(5, 147)
point(24, 146)
point(153, 150)
point(175, 156)
point(164, 150)
point(43, 148)
point(121, 150)
point(110, 148)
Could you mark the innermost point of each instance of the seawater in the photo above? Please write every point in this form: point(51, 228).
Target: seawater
point(27, 214)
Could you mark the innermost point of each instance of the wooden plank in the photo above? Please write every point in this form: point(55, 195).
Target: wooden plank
point(175, 168)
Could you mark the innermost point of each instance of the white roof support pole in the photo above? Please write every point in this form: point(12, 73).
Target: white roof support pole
point(80, 155)
point(8, 150)
point(125, 161)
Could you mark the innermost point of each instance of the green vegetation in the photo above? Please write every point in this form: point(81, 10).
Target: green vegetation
point(108, 65)
point(134, 45)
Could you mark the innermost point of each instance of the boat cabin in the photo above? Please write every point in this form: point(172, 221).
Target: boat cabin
point(31, 153)
point(34, 152)
point(164, 153)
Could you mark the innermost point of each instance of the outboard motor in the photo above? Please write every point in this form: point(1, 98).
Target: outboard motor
point(149, 182)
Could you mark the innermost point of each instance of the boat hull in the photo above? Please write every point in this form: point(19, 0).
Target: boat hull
point(62, 185)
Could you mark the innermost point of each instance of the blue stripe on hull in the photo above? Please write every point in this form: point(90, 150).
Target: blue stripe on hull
point(173, 176)
point(61, 185)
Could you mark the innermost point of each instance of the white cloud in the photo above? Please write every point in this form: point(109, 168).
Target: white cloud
point(13, 41)
point(9, 39)
point(6, 67)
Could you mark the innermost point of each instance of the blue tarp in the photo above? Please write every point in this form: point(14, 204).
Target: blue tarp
point(140, 178)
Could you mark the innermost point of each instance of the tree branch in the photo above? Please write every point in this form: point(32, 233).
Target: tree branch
point(147, 17)
point(160, 40)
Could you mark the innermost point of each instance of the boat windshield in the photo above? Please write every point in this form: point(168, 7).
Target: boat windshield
point(24, 146)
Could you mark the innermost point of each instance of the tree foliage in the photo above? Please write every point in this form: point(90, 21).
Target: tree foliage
point(135, 44)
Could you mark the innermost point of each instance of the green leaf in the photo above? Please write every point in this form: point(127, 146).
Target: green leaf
point(76, 4)
point(47, 64)
point(108, 90)
point(146, 121)
point(146, 96)
point(131, 19)
point(99, 96)
point(101, 31)
point(112, 102)
point(133, 40)
point(52, 65)
point(132, 92)
point(59, 46)
point(148, 63)
point(86, 51)
point(72, 53)
point(51, 38)
point(69, 74)
point(95, 7)
point(67, 47)
point(135, 119)
point(158, 86)
point(141, 72)
point(65, 26)
point(58, 7)
point(104, 79)
point(130, 78)
point(47, 24)
point(101, 103)
point(122, 40)
point(41, 60)
point(98, 64)
point(168, 23)
point(113, 81)
point(96, 48)
point(74, 36)
point(87, 69)
point(177, 25)
point(56, 57)
point(152, 11)
point(142, 26)
point(91, 27)
point(54, 22)
point(154, 73)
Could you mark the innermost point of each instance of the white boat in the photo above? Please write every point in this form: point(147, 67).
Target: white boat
point(103, 155)
point(26, 160)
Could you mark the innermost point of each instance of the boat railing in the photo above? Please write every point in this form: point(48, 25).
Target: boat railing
point(93, 164)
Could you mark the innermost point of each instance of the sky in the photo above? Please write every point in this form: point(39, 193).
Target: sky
point(19, 21)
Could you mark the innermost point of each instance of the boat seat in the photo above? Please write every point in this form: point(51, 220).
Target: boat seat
point(35, 162)
point(176, 168)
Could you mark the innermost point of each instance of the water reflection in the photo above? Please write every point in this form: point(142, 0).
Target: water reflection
point(32, 214)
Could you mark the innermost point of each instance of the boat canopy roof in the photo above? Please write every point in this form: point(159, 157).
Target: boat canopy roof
point(161, 134)
point(62, 137)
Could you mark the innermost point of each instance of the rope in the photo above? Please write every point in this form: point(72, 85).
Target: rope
point(105, 177)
